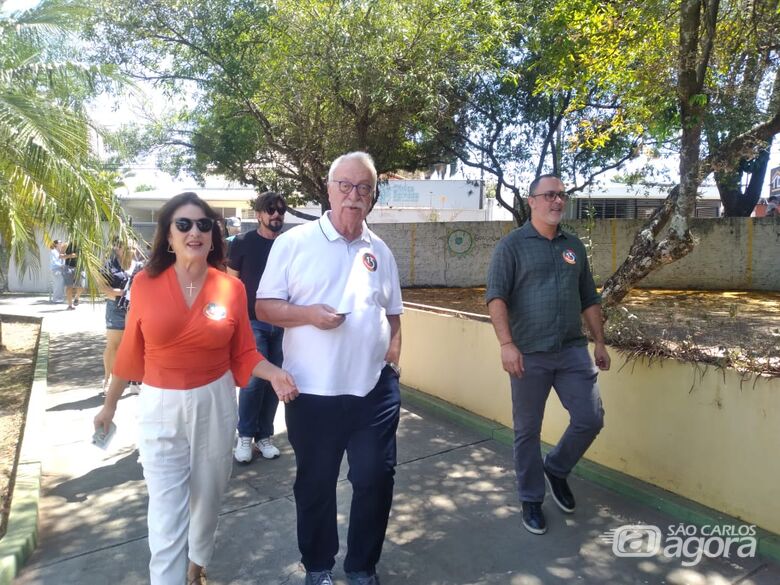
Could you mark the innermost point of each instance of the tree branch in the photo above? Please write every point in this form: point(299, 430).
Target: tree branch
point(745, 146)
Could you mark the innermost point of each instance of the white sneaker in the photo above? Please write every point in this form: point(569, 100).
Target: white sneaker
point(267, 449)
point(243, 452)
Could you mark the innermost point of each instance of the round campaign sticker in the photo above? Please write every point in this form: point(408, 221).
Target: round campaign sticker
point(215, 312)
point(569, 256)
point(369, 261)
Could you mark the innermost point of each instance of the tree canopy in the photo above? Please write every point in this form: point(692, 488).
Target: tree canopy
point(50, 178)
point(578, 87)
point(281, 89)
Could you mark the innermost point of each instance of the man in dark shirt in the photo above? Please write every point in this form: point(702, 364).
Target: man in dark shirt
point(539, 288)
point(257, 402)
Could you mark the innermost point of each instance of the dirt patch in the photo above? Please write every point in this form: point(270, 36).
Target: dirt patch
point(16, 376)
point(735, 329)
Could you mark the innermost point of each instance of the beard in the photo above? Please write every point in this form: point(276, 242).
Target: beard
point(275, 225)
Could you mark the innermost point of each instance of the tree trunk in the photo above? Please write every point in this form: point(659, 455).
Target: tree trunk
point(735, 202)
point(520, 209)
point(5, 266)
point(647, 254)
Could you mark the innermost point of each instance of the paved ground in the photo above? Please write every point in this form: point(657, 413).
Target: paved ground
point(455, 518)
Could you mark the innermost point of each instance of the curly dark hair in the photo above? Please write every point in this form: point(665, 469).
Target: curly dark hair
point(160, 258)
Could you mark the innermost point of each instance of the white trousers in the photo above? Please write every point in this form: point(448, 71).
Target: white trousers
point(185, 440)
point(57, 287)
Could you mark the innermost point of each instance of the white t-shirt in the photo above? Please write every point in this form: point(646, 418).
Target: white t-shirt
point(312, 264)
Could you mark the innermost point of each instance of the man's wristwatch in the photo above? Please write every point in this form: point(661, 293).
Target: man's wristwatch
point(396, 368)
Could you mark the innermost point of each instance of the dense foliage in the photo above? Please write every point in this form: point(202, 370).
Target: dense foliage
point(50, 180)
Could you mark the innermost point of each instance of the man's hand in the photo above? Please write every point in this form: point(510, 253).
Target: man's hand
point(324, 317)
point(512, 360)
point(601, 357)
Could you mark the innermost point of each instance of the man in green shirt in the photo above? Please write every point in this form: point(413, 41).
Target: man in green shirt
point(539, 288)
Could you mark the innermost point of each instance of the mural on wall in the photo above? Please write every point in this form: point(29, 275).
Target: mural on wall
point(460, 242)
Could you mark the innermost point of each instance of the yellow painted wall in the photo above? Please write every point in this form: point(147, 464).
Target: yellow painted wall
point(696, 433)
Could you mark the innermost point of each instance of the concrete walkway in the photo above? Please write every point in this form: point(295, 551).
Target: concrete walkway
point(455, 518)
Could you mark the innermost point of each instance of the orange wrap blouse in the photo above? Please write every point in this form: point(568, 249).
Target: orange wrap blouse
point(169, 345)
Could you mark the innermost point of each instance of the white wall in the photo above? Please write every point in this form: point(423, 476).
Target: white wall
point(37, 278)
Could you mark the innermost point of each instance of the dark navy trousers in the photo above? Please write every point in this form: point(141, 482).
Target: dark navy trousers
point(320, 430)
point(572, 373)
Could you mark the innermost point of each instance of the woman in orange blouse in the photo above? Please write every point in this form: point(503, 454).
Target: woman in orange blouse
point(187, 336)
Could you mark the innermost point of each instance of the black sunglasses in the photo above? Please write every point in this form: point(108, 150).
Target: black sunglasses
point(184, 224)
point(281, 210)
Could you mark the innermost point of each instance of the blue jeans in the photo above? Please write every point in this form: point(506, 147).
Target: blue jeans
point(320, 430)
point(257, 401)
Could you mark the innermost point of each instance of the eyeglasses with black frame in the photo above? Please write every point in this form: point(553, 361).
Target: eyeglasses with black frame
point(550, 196)
point(184, 224)
point(363, 189)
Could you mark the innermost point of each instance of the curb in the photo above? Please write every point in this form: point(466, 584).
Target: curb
point(634, 489)
point(21, 536)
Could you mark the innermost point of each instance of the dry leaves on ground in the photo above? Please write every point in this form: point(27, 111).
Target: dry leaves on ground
point(16, 375)
point(737, 329)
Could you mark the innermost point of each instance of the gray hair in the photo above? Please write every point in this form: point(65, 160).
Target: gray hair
point(357, 155)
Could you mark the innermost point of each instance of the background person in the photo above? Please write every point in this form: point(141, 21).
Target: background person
point(333, 285)
point(232, 229)
point(257, 401)
point(56, 265)
point(539, 288)
point(116, 273)
point(74, 282)
point(188, 338)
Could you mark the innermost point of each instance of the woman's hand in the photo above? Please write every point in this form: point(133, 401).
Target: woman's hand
point(281, 380)
point(103, 418)
point(284, 386)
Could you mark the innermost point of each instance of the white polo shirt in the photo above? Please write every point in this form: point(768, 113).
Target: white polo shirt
point(312, 264)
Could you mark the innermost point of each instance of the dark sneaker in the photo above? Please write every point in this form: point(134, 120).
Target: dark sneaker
point(319, 578)
point(559, 488)
point(533, 518)
point(362, 578)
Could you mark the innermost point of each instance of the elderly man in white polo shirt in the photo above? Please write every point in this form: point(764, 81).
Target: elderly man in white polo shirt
point(333, 285)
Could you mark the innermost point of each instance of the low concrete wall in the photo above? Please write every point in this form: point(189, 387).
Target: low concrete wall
point(732, 253)
point(704, 434)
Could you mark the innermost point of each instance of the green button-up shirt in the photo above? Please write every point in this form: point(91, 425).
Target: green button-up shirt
point(546, 285)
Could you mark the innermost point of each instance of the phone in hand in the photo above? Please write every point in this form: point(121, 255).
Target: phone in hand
point(101, 439)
